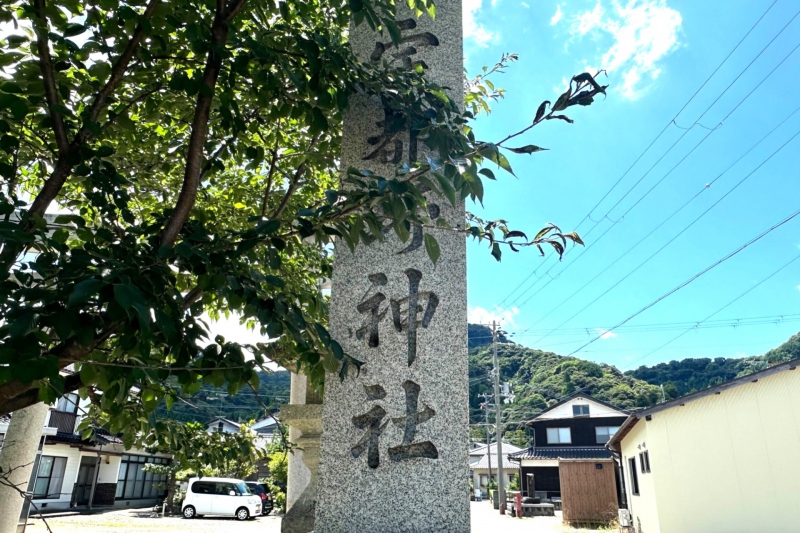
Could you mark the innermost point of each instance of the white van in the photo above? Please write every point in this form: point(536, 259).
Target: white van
point(220, 496)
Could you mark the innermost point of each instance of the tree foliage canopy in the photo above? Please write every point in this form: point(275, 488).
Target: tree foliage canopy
point(192, 148)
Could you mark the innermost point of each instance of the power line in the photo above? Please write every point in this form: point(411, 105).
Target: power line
point(690, 280)
point(675, 237)
point(648, 354)
point(672, 121)
point(669, 172)
point(690, 200)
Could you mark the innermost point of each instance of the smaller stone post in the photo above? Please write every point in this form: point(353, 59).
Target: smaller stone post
point(16, 462)
point(304, 417)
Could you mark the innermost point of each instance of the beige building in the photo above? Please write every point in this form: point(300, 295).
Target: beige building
point(482, 457)
point(722, 460)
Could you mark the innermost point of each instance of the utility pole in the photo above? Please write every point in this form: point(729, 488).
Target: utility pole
point(488, 433)
point(501, 485)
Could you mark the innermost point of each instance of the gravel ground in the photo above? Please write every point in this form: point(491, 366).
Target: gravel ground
point(143, 521)
point(484, 519)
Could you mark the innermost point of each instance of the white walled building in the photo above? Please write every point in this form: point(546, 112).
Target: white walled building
point(722, 460)
point(74, 473)
point(479, 462)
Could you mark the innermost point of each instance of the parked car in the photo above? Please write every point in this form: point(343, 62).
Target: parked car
point(261, 490)
point(220, 496)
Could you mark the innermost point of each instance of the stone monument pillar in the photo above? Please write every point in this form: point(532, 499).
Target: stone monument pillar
point(395, 437)
point(17, 459)
point(304, 416)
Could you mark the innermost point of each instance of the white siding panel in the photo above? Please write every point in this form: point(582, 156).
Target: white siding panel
point(726, 463)
point(565, 411)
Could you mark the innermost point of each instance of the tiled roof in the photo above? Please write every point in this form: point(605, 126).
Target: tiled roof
point(507, 448)
point(484, 462)
point(101, 438)
point(589, 452)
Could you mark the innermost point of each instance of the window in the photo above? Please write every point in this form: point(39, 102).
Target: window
point(135, 483)
point(644, 459)
point(604, 433)
point(50, 477)
point(484, 480)
point(580, 410)
point(634, 476)
point(68, 403)
point(559, 436)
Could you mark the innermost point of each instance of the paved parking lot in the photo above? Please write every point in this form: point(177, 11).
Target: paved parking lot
point(484, 519)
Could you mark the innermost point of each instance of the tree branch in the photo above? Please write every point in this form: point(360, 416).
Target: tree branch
point(197, 140)
point(272, 167)
point(63, 167)
point(48, 76)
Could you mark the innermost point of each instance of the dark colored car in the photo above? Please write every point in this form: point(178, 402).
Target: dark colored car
point(262, 492)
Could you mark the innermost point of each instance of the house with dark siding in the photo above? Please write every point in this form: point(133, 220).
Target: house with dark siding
point(574, 429)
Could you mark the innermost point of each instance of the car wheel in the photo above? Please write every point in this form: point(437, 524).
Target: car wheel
point(242, 513)
point(189, 512)
point(265, 513)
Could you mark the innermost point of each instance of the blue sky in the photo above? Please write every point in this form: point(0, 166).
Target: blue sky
point(657, 54)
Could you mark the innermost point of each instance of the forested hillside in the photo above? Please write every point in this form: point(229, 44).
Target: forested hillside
point(210, 403)
point(539, 379)
point(689, 375)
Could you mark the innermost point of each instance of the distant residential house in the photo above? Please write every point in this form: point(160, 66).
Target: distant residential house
point(73, 472)
point(482, 457)
point(574, 429)
point(724, 459)
point(223, 425)
point(265, 429)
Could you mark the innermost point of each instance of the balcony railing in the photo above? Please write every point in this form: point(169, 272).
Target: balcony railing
point(63, 422)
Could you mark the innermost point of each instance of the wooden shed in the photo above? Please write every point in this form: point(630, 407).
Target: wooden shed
point(588, 491)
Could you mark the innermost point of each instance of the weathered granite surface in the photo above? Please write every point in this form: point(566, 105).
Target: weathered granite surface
point(394, 437)
point(304, 417)
point(306, 422)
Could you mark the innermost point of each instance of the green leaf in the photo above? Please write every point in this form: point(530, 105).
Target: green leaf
point(528, 149)
point(540, 112)
point(74, 29)
point(562, 117)
point(561, 103)
point(127, 295)
point(23, 324)
point(84, 290)
point(432, 247)
point(496, 252)
point(275, 281)
point(447, 187)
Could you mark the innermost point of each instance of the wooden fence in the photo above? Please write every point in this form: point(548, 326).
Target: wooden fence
point(588, 491)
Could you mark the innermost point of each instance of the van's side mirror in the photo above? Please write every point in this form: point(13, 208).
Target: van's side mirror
point(231, 493)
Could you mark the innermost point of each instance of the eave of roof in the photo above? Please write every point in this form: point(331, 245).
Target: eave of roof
point(572, 397)
point(560, 453)
point(627, 426)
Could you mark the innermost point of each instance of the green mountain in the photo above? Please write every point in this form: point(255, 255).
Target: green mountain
point(689, 375)
point(539, 379)
point(210, 402)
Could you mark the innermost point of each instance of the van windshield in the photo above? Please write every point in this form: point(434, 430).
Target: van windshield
point(241, 488)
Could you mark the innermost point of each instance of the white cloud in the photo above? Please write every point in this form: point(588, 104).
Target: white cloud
point(558, 16)
point(643, 31)
point(505, 317)
point(526, 5)
point(605, 334)
point(472, 29)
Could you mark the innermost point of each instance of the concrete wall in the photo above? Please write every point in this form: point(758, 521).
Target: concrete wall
point(724, 463)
